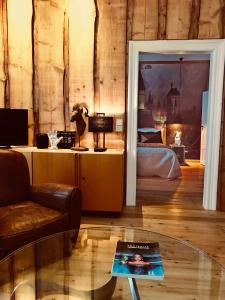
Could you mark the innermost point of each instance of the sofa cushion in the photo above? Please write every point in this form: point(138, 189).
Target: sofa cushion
point(26, 216)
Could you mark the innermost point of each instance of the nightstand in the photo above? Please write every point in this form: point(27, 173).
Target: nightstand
point(180, 153)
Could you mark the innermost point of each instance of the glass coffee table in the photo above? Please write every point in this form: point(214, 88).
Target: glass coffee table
point(77, 266)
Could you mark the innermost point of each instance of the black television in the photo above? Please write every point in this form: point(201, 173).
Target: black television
point(13, 127)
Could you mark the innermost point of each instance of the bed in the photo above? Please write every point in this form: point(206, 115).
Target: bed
point(156, 159)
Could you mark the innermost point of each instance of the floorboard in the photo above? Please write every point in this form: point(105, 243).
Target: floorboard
point(173, 208)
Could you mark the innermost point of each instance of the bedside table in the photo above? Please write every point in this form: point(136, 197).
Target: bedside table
point(180, 153)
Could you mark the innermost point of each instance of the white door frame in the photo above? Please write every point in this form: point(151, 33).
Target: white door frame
point(216, 49)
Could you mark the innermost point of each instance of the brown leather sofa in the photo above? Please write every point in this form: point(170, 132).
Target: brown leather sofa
point(31, 212)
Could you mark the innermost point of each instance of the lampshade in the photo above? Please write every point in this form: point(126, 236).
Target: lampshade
point(173, 92)
point(177, 120)
point(100, 124)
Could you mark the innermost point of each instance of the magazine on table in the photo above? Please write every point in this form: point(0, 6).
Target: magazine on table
point(138, 260)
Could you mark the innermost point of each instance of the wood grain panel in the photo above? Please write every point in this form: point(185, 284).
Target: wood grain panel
point(50, 268)
point(6, 278)
point(35, 81)
point(99, 193)
point(28, 156)
point(110, 62)
point(177, 192)
point(47, 167)
point(162, 21)
point(81, 57)
point(66, 70)
point(210, 22)
point(190, 274)
point(24, 266)
point(6, 54)
point(138, 20)
point(129, 17)
point(221, 205)
point(142, 20)
point(49, 19)
point(195, 14)
point(20, 58)
point(151, 19)
point(178, 19)
point(181, 216)
point(2, 73)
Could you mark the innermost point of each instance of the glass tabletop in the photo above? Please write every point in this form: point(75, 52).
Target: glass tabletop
point(77, 266)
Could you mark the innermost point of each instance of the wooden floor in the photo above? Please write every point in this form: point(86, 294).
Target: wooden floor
point(173, 208)
point(185, 192)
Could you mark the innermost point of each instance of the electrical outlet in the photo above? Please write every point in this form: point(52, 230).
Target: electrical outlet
point(119, 125)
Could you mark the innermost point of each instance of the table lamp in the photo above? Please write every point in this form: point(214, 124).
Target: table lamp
point(100, 123)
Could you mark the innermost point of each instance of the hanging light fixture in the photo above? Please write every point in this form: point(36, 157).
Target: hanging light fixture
point(173, 92)
point(174, 123)
point(174, 99)
point(178, 118)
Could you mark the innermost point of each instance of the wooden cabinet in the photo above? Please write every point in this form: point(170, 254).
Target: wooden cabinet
point(54, 167)
point(98, 175)
point(101, 181)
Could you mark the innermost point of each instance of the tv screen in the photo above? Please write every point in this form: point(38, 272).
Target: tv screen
point(13, 127)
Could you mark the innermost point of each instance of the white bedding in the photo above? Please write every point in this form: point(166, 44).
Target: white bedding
point(154, 161)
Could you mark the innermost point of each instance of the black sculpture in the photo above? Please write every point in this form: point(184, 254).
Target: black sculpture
point(77, 116)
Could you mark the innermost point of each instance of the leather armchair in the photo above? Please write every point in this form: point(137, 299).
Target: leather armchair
point(31, 212)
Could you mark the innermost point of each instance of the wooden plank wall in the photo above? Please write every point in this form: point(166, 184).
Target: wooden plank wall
point(82, 16)
point(54, 53)
point(20, 58)
point(49, 24)
point(110, 57)
point(2, 71)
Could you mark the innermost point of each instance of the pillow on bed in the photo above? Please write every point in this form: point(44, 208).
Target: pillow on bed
point(150, 137)
point(148, 130)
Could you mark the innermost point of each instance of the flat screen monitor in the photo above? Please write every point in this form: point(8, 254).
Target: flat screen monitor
point(13, 127)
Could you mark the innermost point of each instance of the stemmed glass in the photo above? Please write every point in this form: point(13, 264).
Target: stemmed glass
point(53, 139)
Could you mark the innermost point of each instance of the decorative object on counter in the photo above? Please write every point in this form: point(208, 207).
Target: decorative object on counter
point(42, 140)
point(53, 139)
point(77, 116)
point(177, 139)
point(68, 140)
point(175, 131)
point(97, 124)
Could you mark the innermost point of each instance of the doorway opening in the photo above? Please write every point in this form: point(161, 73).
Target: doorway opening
point(214, 49)
point(171, 129)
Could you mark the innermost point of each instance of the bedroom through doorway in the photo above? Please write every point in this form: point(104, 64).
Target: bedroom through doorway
point(172, 117)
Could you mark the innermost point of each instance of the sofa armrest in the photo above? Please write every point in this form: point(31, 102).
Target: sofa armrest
point(62, 197)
